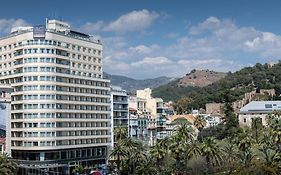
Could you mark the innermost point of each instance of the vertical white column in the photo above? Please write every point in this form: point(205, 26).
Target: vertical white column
point(8, 128)
point(112, 121)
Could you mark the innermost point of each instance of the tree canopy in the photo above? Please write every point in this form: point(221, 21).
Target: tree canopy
point(236, 84)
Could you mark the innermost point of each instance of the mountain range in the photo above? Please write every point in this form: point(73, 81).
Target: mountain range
point(131, 84)
point(168, 85)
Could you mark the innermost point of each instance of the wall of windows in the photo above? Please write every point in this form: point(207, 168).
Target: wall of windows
point(39, 50)
point(39, 78)
point(61, 154)
point(82, 133)
point(39, 106)
point(39, 87)
point(83, 107)
point(39, 69)
point(82, 124)
point(40, 125)
point(53, 43)
point(39, 115)
point(39, 97)
point(83, 116)
point(42, 60)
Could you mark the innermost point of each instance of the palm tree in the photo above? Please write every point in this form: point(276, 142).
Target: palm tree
point(269, 118)
point(183, 136)
point(256, 127)
point(267, 138)
point(158, 152)
point(270, 161)
point(230, 156)
point(276, 130)
point(193, 150)
point(165, 142)
point(135, 150)
point(246, 162)
point(200, 123)
point(212, 152)
point(184, 133)
point(7, 167)
point(136, 159)
point(120, 133)
point(137, 154)
point(146, 168)
point(244, 140)
point(130, 143)
point(177, 148)
point(119, 153)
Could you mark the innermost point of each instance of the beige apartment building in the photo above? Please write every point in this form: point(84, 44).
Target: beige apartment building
point(154, 105)
point(150, 117)
point(60, 109)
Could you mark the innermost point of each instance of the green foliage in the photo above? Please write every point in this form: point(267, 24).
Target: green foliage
point(182, 153)
point(237, 84)
point(256, 127)
point(230, 120)
point(200, 123)
point(172, 91)
point(78, 169)
point(181, 105)
point(120, 133)
point(229, 127)
point(7, 167)
point(180, 121)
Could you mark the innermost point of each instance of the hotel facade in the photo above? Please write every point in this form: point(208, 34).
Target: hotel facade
point(60, 104)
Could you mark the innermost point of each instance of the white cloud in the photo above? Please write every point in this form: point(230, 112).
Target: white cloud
point(92, 27)
point(142, 49)
point(133, 21)
point(216, 44)
point(116, 65)
point(200, 61)
point(209, 24)
point(263, 39)
point(151, 61)
point(7, 24)
point(129, 22)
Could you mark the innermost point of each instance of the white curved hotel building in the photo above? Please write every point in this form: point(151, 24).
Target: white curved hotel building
point(60, 112)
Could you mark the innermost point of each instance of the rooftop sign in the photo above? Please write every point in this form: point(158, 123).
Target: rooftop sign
point(39, 31)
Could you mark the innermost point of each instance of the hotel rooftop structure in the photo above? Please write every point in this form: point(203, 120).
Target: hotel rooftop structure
point(60, 109)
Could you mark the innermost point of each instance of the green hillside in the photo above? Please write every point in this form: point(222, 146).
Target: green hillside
point(236, 84)
point(172, 91)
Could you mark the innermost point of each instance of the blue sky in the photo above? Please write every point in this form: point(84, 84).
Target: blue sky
point(145, 39)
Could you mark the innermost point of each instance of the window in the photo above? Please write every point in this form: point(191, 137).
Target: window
point(245, 120)
point(268, 105)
